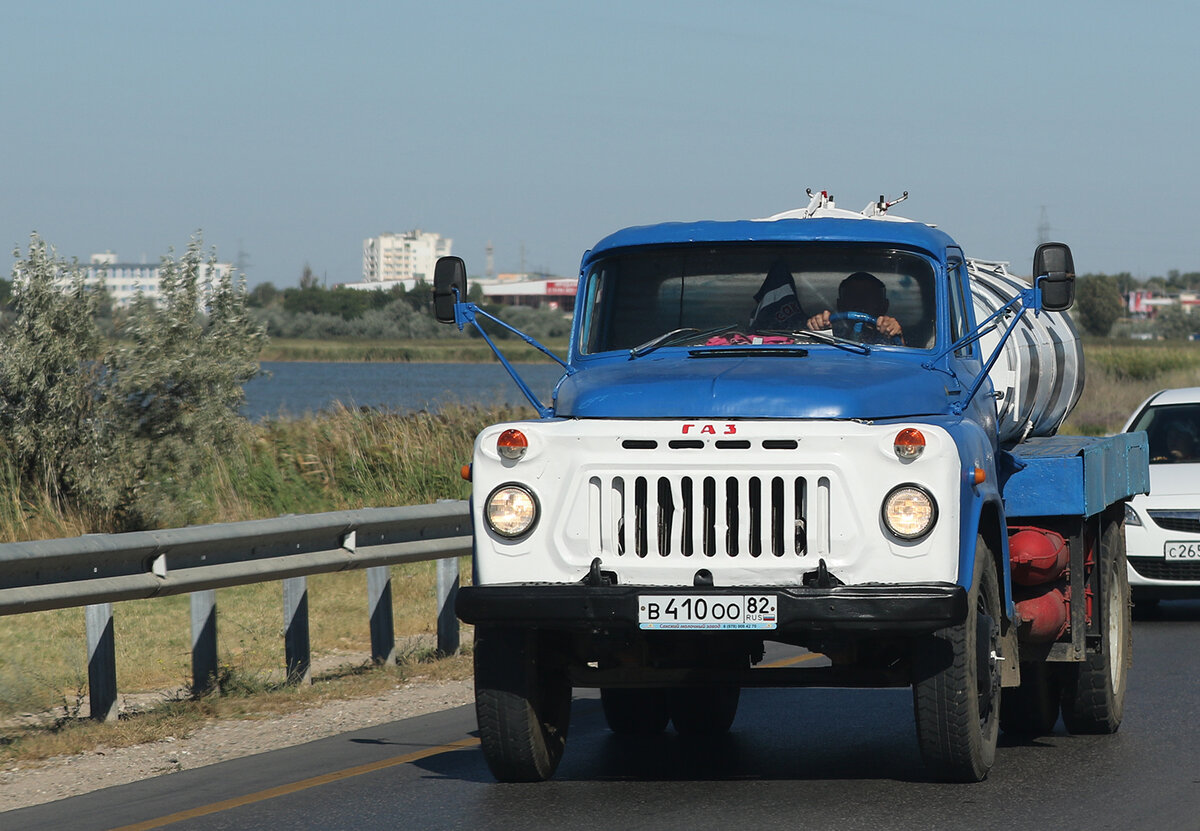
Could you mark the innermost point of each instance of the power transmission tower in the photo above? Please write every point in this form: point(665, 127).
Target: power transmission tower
point(1043, 227)
point(243, 259)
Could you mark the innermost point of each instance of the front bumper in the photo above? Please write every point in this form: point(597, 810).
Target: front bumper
point(864, 608)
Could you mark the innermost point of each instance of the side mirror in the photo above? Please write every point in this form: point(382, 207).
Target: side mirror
point(1054, 269)
point(449, 274)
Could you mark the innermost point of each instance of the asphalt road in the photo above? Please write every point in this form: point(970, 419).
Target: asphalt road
point(811, 758)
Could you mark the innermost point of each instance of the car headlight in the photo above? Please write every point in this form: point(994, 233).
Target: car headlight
point(511, 510)
point(909, 512)
point(1131, 517)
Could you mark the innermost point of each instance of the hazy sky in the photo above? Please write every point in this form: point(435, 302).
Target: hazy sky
point(292, 131)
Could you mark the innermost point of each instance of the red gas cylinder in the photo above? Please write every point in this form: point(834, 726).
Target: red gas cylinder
point(1042, 614)
point(1036, 555)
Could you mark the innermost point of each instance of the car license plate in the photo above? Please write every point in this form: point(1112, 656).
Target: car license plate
point(1182, 551)
point(692, 611)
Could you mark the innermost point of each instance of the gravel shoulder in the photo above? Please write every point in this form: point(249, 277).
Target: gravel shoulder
point(220, 741)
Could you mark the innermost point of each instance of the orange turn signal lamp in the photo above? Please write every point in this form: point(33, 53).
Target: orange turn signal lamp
point(512, 444)
point(909, 443)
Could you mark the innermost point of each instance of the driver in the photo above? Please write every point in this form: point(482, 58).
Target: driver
point(861, 292)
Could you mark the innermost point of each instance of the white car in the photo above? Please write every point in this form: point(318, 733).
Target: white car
point(1162, 529)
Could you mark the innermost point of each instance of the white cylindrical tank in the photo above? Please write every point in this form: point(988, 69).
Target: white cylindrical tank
point(1039, 373)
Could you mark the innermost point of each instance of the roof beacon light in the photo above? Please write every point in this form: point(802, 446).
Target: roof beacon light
point(512, 445)
point(909, 443)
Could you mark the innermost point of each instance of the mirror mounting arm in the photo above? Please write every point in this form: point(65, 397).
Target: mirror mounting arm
point(465, 312)
point(1029, 299)
point(1026, 299)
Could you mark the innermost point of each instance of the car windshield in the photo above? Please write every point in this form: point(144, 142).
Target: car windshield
point(1172, 430)
point(758, 294)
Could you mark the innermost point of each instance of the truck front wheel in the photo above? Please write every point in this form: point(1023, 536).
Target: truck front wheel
point(1094, 690)
point(956, 684)
point(522, 703)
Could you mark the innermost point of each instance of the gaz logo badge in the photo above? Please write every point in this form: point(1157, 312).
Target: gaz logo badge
point(711, 429)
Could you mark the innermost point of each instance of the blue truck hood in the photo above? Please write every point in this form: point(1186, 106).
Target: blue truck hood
point(830, 384)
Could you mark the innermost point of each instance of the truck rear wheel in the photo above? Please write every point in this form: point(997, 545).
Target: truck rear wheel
point(522, 703)
point(956, 684)
point(635, 712)
point(703, 711)
point(1032, 708)
point(1093, 697)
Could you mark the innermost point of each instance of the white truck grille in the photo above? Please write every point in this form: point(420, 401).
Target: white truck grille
point(698, 516)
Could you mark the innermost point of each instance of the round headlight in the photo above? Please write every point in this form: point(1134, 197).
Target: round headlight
point(909, 512)
point(511, 510)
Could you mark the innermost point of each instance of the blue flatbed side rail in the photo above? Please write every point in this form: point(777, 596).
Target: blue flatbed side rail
point(1076, 475)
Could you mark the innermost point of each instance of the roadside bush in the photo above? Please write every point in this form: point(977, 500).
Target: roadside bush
point(398, 320)
point(49, 376)
point(118, 430)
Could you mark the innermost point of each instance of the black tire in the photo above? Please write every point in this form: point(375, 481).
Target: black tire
point(1032, 708)
point(522, 703)
point(635, 712)
point(703, 711)
point(1093, 696)
point(956, 684)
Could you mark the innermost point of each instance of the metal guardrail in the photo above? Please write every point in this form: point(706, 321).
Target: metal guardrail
point(101, 569)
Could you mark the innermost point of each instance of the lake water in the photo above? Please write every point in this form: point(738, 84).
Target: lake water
point(298, 387)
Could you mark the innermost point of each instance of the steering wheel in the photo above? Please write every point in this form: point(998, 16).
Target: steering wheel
point(864, 319)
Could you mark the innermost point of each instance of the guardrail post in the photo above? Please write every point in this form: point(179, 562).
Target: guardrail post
point(295, 638)
point(379, 606)
point(102, 662)
point(204, 640)
point(447, 591)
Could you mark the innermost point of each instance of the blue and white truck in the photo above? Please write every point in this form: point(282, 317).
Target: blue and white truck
point(829, 429)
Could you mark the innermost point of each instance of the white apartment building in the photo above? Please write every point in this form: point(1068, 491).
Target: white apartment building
point(125, 281)
point(409, 257)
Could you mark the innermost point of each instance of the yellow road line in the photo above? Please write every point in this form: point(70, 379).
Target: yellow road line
point(787, 662)
point(294, 787)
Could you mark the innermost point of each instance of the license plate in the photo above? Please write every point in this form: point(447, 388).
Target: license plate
point(690, 611)
point(1182, 550)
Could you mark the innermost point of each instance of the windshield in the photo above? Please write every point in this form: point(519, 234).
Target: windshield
point(1172, 430)
point(752, 294)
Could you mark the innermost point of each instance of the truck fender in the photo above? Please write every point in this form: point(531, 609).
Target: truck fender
point(987, 521)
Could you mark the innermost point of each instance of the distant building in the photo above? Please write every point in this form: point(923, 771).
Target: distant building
point(1145, 304)
point(531, 290)
point(125, 281)
point(407, 257)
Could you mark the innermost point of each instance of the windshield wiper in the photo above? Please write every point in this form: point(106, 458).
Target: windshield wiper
point(676, 337)
point(829, 339)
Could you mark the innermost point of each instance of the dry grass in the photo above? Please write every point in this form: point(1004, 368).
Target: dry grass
point(1120, 376)
point(43, 654)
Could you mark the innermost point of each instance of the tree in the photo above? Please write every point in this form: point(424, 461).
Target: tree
point(175, 385)
point(262, 295)
point(119, 430)
point(308, 280)
point(1174, 323)
point(1099, 303)
point(49, 374)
